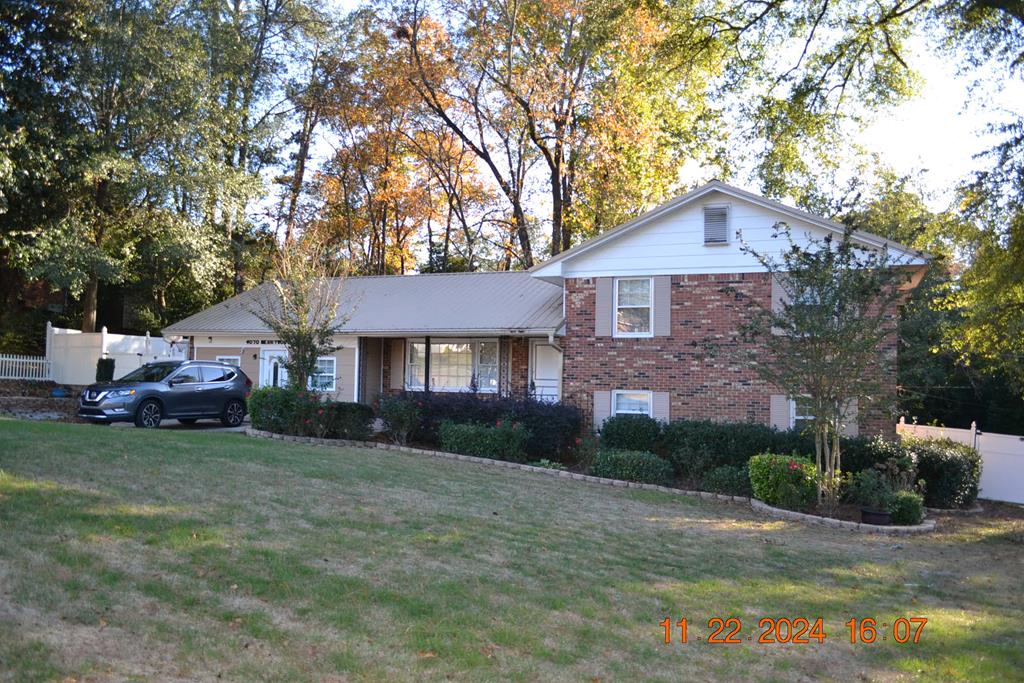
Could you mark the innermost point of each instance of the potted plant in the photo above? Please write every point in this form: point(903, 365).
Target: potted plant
point(872, 491)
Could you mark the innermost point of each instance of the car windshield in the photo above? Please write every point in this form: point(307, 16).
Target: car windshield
point(150, 373)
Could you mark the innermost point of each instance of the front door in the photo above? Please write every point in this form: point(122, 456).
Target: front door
point(545, 371)
point(272, 369)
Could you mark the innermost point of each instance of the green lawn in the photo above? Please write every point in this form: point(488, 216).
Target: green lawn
point(177, 555)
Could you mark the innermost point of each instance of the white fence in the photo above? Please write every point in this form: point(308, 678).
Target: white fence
point(73, 354)
point(1002, 457)
point(24, 367)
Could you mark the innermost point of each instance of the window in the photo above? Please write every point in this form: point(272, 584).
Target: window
point(800, 413)
point(631, 403)
point(323, 376)
point(716, 225)
point(230, 360)
point(633, 307)
point(215, 373)
point(188, 375)
point(454, 365)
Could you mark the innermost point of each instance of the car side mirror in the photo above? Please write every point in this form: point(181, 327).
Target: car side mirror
point(174, 380)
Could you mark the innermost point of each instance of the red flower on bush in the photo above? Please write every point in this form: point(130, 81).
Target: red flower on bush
point(793, 465)
point(308, 421)
point(419, 404)
point(498, 423)
point(320, 412)
point(579, 441)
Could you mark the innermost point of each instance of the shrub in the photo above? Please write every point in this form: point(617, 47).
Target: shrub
point(553, 427)
point(734, 481)
point(401, 415)
point(274, 409)
point(870, 489)
point(906, 508)
point(503, 441)
point(951, 471)
point(639, 466)
point(349, 420)
point(785, 481)
point(304, 413)
point(631, 433)
point(696, 446)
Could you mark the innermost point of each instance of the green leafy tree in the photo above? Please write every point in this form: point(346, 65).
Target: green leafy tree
point(823, 341)
point(301, 305)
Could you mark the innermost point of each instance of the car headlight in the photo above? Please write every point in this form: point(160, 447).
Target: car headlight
point(121, 393)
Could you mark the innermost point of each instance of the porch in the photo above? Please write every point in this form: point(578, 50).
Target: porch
point(498, 366)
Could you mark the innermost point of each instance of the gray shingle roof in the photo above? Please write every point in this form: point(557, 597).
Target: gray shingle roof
point(471, 303)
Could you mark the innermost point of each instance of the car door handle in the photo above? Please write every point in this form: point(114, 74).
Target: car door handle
point(200, 389)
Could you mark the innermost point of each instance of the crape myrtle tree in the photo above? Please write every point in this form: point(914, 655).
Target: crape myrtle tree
point(301, 304)
point(820, 338)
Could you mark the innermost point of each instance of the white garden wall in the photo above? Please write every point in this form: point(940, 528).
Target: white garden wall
point(73, 354)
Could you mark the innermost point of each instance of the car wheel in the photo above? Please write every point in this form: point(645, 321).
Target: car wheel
point(234, 413)
point(149, 415)
point(187, 420)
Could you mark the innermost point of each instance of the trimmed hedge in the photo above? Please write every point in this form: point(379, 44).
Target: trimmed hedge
point(553, 427)
point(951, 471)
point(273, 409)
point(303, 413)
point(784, 481)
point(638, 466)
point(906, 508)
point(631, 433)
point(695, 447)
point(401, 417)
point(503, 441)
point(734, 481)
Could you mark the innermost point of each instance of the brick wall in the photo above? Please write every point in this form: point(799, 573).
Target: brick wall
point(700, 364)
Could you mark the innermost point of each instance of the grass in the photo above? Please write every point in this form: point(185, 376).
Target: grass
point(138, 555)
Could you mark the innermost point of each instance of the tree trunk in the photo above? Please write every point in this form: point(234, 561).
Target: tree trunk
point(89, 297)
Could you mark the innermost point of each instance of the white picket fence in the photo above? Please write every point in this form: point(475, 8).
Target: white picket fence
point(1002, 457)
point(13, 366)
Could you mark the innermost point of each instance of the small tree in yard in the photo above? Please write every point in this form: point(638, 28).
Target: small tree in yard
point(819, 340)
point(301, 305)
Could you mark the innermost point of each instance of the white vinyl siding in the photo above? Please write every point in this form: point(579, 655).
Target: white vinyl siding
point(673, 244)
point(716, 225)
point(454, 365)
point(634, 306)
point(632, 403)
point(324, 376)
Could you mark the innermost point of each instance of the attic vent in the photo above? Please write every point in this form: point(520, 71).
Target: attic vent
point(716, 225)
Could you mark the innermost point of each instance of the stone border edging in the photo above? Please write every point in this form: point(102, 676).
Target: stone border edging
point(958, 512)
point(564, 474)
point(924, 527)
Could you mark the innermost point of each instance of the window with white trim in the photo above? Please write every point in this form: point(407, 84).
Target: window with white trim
point(632, 403)
point(634, 307)
point(324, 375)
point(455, 365)
point(230, 360)
point(800, 413)
point(716, 224)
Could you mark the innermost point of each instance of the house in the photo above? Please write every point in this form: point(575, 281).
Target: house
point(622, 323)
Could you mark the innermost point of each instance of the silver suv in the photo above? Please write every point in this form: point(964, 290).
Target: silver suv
point(186, 390)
